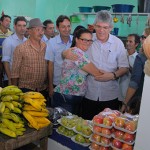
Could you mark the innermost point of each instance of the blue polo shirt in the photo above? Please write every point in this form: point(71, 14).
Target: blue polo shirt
point(55, 47)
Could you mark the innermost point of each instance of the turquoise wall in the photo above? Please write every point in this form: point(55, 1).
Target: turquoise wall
point(45, 9)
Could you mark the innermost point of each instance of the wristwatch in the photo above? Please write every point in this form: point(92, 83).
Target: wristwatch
point(115, 77)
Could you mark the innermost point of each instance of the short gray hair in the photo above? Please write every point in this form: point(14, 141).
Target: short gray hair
point(104, 16)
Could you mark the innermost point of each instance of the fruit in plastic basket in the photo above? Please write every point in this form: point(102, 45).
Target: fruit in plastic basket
point(105, 140)
point(117, 143)
point(131, 125)
point(61, 129)
point(64, 121)
point(87, 140)
point(103, 148)
point(98, 119)
point(107, 121)
point(78, 127)
point(119, 134)
point(106, 131)
point(86, 130)
point(127, 147)
point(95, 146)
point(80, 138)
point(120, 122)
point(96, 137)
point(97, 129)
point(128, 137)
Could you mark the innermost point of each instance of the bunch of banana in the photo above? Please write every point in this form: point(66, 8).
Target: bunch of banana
point(10, 109)
point(11, 99)
point(35, 111)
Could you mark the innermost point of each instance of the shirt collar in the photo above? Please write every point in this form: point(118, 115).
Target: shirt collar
point(59, 40)
point(16, 37)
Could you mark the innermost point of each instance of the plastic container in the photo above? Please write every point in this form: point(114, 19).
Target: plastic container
point(85, 9)
point(99, 8)
point(122, 8)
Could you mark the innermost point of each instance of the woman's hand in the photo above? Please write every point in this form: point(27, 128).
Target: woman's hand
point(68, 54)
point(106, 76)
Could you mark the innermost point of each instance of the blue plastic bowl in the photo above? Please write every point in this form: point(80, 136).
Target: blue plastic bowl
point(85, 9)
point(122, 8)
point(99, 8)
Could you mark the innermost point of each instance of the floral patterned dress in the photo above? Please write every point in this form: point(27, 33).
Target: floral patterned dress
point(73, 80)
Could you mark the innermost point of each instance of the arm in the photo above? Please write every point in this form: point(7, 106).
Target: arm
point(16, 65)
point(50, 77)
point(91, 69)
point(68, 54)
point(107, 76)
point(8, 72)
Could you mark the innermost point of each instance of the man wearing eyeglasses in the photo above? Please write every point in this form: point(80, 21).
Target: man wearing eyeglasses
point(108, 54)
point(29, 68)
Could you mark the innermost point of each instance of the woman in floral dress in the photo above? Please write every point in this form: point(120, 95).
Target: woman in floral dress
point(68, 94)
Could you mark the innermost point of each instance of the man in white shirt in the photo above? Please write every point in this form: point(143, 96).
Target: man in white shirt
point(133, 40)
point(10, 44)
point(49, 30)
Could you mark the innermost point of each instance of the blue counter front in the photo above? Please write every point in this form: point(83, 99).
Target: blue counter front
point(65, 141)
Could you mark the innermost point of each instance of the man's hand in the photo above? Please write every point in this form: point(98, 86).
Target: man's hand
point(68, 54)
point(106, 76)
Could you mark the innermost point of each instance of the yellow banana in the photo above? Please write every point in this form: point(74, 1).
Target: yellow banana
point(17, 110)
point(30, 120)
point(42, 120)
point(38, 114)
point(16, 104)
point(8, 132)
point(6, 98)
point(9, 124)
point(42, 125)
point(30, 107)
point(33, 95)
point(30, 125)
point(2, 125)
point(33, 103)
point(9, 105)
point(2, 107)
point(40, 101)
point(7, 110)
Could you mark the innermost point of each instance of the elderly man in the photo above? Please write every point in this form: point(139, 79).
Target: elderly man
point(10, 44)
point(5, 21)
point(29, 70)
point(49, 30)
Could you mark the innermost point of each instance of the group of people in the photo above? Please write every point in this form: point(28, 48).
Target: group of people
point(80, 72)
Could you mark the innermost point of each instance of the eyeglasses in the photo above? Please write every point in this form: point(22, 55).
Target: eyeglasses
point(86, 41)
point(143, 37)
point(100, 27)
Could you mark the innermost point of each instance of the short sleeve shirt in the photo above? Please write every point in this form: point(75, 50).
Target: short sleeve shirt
point(73, 80)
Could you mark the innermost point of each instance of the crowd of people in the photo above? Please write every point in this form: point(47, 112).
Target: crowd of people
point(84, 72)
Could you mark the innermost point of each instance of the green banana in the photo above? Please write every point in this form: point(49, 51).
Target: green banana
point(22, 129)
point(7, 110)
point(2, 107)
point(9, 124)
point(9, 105)
point(18, 132)
point(12, 116)
point(17, 110)
point(16, 104)
point(10, 91)
point(15, 97)
point(8, 132)
point(18, 125)
point(6, 98)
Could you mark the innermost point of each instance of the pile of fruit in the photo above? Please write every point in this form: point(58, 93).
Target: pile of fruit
point(11, 104)
point(35, 111)
point(112, 129)
point(76, 128)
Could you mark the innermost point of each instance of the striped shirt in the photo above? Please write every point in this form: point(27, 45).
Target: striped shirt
point(30, 66)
